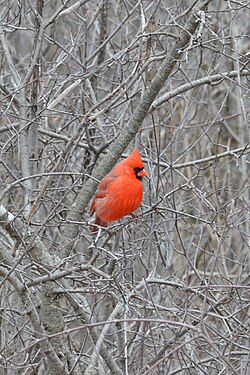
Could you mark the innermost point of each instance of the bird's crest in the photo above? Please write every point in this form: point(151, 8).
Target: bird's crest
point(134, 159)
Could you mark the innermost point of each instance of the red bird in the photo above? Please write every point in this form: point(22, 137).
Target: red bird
point(119, 192)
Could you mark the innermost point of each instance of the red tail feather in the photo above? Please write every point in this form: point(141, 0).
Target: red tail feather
point(100, 222)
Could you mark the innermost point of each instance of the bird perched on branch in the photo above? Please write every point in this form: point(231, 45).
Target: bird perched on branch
point(119, 192)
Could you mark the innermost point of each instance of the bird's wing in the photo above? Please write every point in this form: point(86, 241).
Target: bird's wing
point(102, 189)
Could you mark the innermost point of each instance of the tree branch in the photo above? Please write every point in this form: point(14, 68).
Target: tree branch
point(199, 82)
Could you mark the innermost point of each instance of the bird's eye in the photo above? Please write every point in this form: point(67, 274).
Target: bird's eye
point(137, 170)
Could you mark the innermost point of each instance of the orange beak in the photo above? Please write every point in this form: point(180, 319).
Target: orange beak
point(142, 173)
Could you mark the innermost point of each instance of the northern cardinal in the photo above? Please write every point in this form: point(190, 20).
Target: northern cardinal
point(119, 192)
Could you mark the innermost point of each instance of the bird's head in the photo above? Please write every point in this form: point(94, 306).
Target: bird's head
point(136, 165)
